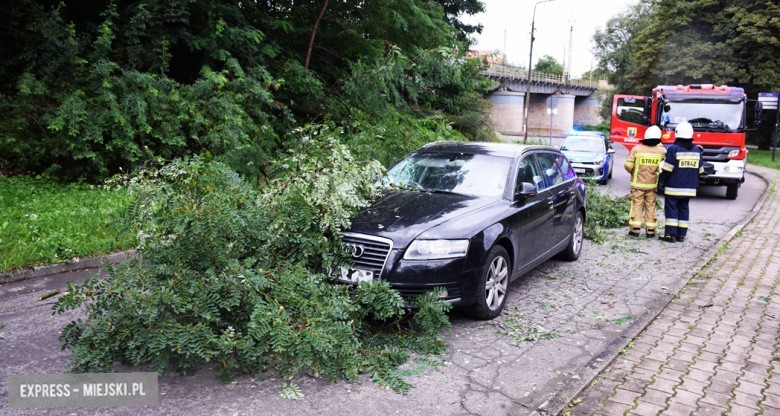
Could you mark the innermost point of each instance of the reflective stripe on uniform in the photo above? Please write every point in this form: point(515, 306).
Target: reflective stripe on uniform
point(639, 185)
point(652, 224)
point(671, 222)
point(680, 191)
point(635, 223)
point(667, 166)
point(683, 224)
point(687, 155)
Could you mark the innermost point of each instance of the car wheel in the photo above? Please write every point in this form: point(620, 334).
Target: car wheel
point(493, 285)
point(574, 248)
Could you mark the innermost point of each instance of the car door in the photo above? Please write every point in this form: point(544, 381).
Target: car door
point(531, 214)
point(559, 177)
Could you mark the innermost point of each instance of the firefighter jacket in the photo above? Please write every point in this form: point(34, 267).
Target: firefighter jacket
point(643, 163)
point(681, 169)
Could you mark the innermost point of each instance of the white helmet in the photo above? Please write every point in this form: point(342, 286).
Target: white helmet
point(684, 130)
point(653, 133)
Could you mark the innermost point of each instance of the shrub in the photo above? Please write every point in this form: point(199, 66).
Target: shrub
point(237, 276)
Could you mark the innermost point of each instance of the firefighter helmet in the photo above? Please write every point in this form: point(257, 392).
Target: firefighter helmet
point(684, 130)
point(653, 132)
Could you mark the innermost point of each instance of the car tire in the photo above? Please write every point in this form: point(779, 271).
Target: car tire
point(574, 248)
point(493, 286)
point(732, 190)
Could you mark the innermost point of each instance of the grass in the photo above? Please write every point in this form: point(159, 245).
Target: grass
point(43, 222)
point(764, 158)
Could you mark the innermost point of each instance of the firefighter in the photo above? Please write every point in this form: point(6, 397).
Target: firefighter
point(679, 181)
point(643, 163)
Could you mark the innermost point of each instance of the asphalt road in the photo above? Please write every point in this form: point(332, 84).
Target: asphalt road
point(563, 322)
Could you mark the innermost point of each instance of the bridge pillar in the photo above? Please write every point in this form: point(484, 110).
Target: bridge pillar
point(539, 121)
point(507, 112)
point(587, 111)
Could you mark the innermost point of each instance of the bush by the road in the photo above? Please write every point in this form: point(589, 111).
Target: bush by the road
point(237, 276)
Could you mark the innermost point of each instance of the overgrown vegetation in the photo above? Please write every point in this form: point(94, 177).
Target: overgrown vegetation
point(231, 123)
point(150, 81)
point(44, 222)
point(237, 276)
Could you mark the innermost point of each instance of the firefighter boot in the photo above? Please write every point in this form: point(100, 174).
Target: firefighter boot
point(669, 238)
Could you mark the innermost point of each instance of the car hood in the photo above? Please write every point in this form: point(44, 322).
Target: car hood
point(579, 156)
point(403, 215)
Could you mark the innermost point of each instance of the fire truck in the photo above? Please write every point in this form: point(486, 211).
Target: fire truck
point(718, 117)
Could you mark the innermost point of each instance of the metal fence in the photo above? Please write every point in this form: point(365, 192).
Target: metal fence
point(521, 74)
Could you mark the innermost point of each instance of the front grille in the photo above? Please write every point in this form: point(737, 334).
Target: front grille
point(409, 292)
point(717, 153)
point(375, 251)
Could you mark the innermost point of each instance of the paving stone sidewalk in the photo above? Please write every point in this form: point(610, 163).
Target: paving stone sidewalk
point(715, 349)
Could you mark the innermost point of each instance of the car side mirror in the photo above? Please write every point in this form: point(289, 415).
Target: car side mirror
point(611, 151)
point(526, 190)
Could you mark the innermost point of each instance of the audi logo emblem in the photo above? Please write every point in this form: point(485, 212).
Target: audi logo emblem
point(356, 250)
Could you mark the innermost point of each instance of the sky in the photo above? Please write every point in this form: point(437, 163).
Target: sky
point(553, 22)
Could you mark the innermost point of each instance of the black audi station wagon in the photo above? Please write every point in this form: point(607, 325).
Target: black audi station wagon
point(469, 218)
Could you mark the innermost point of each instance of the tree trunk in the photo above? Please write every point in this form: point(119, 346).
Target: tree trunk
point(314, 33)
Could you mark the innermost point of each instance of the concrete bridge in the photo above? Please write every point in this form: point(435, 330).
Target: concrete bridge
point(573, 101)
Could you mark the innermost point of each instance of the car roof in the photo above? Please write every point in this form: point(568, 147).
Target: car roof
point(585, 137)
point(486, 148)
point(587, 133)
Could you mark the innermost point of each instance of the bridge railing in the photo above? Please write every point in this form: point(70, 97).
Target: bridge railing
point(521, 74)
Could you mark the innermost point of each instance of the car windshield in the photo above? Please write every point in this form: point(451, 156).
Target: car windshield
point(468, 174)
point(583, 144)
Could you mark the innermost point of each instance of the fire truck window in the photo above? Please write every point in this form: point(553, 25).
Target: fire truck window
point(630, 112)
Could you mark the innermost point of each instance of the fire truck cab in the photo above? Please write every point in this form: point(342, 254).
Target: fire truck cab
point(718, 117)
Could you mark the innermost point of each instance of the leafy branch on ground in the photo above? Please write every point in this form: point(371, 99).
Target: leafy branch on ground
point(236, 275)
point(517, 326)
point(604, 212)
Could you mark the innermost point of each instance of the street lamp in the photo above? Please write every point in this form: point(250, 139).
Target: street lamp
point(528, 80)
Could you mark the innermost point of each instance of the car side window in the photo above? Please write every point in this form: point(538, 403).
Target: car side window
point(566, 170)
point(551, 168)
point(529, 172)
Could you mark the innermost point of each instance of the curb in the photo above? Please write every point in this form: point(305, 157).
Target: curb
point(611, 352)
point(71, 266)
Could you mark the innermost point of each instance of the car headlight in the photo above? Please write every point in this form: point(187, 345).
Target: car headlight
point(598, 161)
point(436, 249)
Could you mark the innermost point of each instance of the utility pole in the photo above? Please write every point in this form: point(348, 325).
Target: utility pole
point(527, 102)
point(571, 37)
point(504, 60)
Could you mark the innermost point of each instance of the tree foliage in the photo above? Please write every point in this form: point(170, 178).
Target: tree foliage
point(549, 65)
point(89, 88)
point(239, 277)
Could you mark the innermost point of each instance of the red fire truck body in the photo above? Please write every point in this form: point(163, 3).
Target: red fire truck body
point(718, 117)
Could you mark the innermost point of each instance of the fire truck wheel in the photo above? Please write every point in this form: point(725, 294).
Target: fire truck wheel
point(732, 190)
